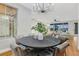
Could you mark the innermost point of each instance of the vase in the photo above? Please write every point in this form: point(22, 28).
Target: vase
point(37, 35)
point(34, 34)
point(40, 36)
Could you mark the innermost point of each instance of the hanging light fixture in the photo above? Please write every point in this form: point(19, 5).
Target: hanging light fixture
point(42, 7)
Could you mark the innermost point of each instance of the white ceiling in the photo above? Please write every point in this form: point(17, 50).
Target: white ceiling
point(28, 5)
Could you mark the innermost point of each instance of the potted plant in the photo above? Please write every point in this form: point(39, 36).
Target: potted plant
point(41, 29)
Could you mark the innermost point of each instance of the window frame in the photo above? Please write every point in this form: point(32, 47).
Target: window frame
point(12, 25)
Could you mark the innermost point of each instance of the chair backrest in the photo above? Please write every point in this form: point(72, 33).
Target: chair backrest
point(63, 45)
point(13, 45)
point(13, 49)
point(16, 50)
point(12, 42)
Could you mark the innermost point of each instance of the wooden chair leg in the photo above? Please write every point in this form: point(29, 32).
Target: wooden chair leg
point(65, 53)
point(19, 51)
point(55, 52)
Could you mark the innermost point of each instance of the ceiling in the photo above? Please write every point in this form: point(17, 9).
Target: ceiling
point(29, 5)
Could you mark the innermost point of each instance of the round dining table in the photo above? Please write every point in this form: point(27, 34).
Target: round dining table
point(35, 43)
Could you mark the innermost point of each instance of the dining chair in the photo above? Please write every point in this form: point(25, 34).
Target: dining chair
point(41, 52)
point(50, 52)
point(16, 50)
point(24, 49)
point(61, 47)
point(46, 52)
point(63, 39)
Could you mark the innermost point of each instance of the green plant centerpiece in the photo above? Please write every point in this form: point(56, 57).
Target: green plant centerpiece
point(41, 28)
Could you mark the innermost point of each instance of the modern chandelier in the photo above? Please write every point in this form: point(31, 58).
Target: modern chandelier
point(42, 7)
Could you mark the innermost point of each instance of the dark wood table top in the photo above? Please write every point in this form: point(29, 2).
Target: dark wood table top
point(46, 42)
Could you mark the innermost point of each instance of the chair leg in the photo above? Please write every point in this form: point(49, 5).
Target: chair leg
point(55, 51)
point(19, 52)
point(65, 53)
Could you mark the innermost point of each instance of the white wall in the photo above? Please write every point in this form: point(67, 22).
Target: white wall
point(61, 12)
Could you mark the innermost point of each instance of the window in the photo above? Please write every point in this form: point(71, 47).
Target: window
point(7, 21)
point(59, 27)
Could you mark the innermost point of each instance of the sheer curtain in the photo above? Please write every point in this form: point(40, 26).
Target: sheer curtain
point(7, 21)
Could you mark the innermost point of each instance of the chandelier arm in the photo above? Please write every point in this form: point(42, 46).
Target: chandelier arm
point(43, 6)
point(39, 6)
point(34, 8)
point(48, 7)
